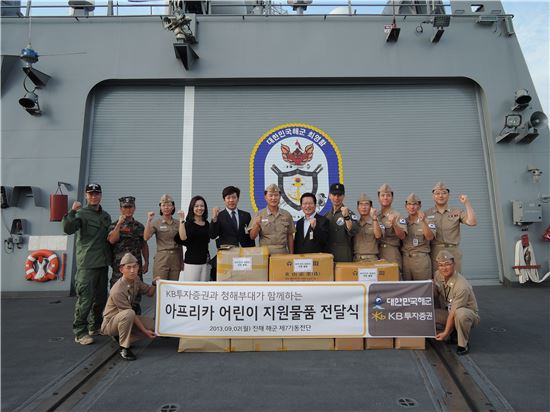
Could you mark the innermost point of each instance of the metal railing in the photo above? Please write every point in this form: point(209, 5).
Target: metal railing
point(259, 7)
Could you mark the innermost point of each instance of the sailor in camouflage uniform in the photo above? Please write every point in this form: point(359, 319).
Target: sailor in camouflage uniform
point(126, 236)
point(343, 225)
point(394, 227)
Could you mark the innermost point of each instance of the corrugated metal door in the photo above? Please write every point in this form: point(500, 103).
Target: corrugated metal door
point(135, 146)
point(408, 135)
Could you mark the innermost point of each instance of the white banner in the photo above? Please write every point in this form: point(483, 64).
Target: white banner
point(308, 309)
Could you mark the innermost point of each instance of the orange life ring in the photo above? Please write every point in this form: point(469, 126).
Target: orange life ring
point(46, 271)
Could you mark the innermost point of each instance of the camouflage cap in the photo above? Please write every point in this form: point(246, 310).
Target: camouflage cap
point(166, 199)
point(272, 188)
point(440, 186)
point(127, 201)
point(413, 198)
point(128, 258)
point(385, 188)
point(444, 256)
point(363, 197)
point(337, 189)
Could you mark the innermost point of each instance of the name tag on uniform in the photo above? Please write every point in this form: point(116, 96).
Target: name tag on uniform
point(311, 235)
point(415, 242)
point(163, 227)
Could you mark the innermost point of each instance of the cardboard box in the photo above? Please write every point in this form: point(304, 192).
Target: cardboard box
point(379, 343)
point(410, 343)
point(312, 267)
point(244, 264)
point(349, 344)
point(257, 345)
point(308, 344)
point(379, 271)
point(204, 345)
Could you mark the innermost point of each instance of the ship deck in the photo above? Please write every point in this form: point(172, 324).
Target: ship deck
point(508, 367)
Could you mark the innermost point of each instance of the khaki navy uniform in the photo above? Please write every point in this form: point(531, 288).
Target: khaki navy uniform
point(457, 296)
point(274, 230)
point(365, 244)
point(389, 243)
point(118, 317)
point(93, 256)
point(448, 233)
point(340, 240)
point(417, 264)
point(169, 257)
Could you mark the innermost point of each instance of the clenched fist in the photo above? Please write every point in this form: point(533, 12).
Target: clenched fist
point(76, 205)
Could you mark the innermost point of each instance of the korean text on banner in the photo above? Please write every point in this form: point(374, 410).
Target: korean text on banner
point(261, 309)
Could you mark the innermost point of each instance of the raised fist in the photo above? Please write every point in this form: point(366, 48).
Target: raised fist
point(150, 215)
point(215, 212)
point(463, 199)
point(121, 219)
point(345, 211)
point(181, 214)
point(373, 213)
point(76, 205)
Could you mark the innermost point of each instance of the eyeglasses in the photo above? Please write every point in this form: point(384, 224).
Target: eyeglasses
point(445, 264)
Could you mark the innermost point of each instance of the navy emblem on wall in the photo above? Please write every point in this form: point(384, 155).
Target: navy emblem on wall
point(298, 158)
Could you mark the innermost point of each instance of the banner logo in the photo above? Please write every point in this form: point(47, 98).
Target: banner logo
point(298, 158)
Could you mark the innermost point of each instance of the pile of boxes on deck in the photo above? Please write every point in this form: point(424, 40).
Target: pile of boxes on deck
point(279, 268)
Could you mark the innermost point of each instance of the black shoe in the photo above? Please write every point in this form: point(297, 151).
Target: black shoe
point(127, 354)
point(463, 351)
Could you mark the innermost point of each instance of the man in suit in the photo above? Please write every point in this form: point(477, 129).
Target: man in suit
point(312, 230)
point(230, 225)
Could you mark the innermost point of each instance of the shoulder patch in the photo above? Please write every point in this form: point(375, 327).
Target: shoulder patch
point(354, 217)
point(402, 221)
point(431, 226)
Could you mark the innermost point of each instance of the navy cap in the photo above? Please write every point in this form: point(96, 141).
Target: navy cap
point(337, 189)
point(93, 187)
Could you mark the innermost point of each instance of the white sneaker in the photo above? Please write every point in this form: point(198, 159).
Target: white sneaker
point(84, 340)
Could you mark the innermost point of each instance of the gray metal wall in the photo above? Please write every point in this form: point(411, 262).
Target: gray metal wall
point(409, 135)
point(136, 146)
point(40, 151)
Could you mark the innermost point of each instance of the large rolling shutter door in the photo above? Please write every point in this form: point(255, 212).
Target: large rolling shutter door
point(408, 135)
point(136, 146)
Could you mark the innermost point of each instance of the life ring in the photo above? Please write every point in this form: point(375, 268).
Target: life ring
point(46, 271)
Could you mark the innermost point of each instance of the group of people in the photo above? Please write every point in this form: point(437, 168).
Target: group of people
point(423, 244)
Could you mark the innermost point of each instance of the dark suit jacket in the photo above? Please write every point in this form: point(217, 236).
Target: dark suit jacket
point(224, 228)
point(319, 243)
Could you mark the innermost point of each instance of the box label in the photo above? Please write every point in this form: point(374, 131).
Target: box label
point(303, 265)
point(242, 263)
point(367, 274)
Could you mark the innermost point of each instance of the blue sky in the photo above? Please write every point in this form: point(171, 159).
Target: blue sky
point(531, 23)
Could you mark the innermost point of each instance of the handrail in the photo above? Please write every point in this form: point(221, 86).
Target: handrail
point(140, 9)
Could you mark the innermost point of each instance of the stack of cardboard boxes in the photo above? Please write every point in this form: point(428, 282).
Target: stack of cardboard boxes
point(251, 265)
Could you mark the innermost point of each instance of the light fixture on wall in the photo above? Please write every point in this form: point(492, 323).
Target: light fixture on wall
point(510, 130)
point(30, 101)
point(522, 100)
point(439, 22)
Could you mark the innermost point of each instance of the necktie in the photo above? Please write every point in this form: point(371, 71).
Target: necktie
point(234, 218)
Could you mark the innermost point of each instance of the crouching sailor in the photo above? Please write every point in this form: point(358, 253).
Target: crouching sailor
point(119, 319)
point(457, 296)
